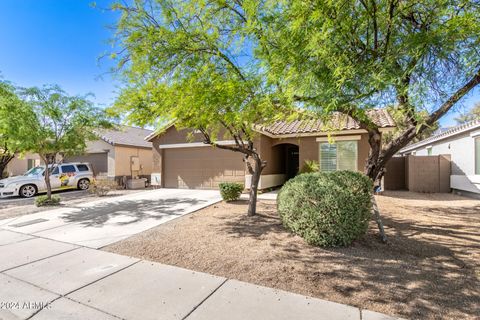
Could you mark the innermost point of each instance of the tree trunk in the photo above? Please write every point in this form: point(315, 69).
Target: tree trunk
point(46, 160)
point(4, 160)
point(257, 171)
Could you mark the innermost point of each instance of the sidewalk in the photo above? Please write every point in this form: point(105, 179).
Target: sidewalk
point(47, 279)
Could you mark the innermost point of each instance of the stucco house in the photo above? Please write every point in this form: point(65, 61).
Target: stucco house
point(117, 153)
point(182, 163)
point(462, 143)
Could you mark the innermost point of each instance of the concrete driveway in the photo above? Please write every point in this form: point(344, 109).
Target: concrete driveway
point(104, 221)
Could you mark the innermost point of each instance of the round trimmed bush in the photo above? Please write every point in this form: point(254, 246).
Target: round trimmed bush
point(230, 191)
point(327, 209)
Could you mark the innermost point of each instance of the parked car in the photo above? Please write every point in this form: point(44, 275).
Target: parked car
point(63, 176)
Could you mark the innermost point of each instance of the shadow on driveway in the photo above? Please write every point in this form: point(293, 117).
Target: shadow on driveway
point(130, 211)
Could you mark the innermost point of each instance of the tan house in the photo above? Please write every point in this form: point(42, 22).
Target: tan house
point(286, 146)
point(118, 153)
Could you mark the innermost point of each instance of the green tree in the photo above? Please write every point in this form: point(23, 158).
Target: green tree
point(473, 114)
point(15, 118)
point(61, 125)
point(420, 56)
point(193, 62)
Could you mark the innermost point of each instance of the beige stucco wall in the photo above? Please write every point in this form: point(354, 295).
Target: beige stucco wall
point(123, 156)
point(19, 164)
point(269, 149)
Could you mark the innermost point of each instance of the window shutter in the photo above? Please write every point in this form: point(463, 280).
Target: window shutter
point(328, 157)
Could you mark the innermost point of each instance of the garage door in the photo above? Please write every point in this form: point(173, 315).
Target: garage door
point(201, 168)
point(99, 161)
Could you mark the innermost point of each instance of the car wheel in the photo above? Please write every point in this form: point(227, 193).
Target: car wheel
point(83, 184)
point(28, 191)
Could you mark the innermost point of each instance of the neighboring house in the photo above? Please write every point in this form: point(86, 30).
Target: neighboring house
point(462, 143)
point(21, 164)
point(286, 146)
point(117, 153)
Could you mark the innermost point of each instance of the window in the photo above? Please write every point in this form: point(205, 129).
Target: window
point(30, 163)
point(429, 151)
point(55, 170)
point(477, 155)
point(82, 167)
point(68, 169)
point(341, 155)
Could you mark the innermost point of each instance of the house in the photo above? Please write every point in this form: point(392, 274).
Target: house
point(462, 143)
point(117, 153)
point(179, 162)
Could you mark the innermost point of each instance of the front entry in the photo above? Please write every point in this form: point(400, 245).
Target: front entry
point(291, 161)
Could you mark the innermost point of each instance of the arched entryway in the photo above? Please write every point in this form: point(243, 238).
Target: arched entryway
point(286, 155)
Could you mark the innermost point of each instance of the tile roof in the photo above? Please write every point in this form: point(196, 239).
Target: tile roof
point(337, 122)
point(475, 124)
point(125, 135)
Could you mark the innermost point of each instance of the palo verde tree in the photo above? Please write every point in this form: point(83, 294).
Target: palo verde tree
point(193, 62)
point(419, 56)
point(61, 125)
point(15, 117)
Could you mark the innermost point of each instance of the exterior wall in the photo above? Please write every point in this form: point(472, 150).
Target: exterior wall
point(123, 156)
point(19, 164)
point(269, 148)
point(461, 149)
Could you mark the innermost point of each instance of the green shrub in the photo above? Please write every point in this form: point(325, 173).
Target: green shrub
point(310, 166)
point(42, 201)
point(230, 191)
point(328, 208)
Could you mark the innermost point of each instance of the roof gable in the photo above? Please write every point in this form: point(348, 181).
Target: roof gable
point(125, 135)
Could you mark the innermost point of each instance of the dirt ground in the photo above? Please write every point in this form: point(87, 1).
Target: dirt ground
point(430, 269)
point(16, 206)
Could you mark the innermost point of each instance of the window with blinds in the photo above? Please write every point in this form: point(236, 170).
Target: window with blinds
point(477, 155)
point(341, 155)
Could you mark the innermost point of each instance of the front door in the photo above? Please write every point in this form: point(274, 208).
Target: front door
point(292, 163)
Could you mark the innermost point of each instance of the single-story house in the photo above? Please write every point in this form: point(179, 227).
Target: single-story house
point(462, 143)
point(117, 153)
point(179, 162)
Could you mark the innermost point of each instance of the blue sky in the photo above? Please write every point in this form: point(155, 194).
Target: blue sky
point(60, 41)
point(57, 42)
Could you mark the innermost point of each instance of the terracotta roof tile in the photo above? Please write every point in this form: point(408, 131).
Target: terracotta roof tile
point(338, 121)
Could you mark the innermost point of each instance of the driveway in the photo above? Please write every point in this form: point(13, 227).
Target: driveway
point(104, 221)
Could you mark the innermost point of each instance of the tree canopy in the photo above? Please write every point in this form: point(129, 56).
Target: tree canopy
point(421, 57)
point(15, 121)
point(472, 114)
point(61, 124)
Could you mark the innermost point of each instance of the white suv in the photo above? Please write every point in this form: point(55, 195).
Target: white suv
point(63, 176)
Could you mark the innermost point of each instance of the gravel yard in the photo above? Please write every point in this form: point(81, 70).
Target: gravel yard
point(16, 206)
point(430, 268)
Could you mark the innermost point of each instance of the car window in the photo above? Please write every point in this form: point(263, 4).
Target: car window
point(82, 167)
point(55, 171)
point(34, 171)
point(68, 169)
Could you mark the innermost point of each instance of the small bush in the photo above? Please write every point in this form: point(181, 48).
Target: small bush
point(230, 191)
point(327, 209)
point(101, 187)
point(43, 201)
point(310, 166)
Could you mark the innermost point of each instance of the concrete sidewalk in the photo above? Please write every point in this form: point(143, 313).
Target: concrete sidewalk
point(47, 279)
